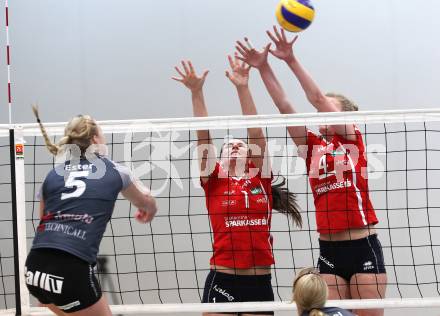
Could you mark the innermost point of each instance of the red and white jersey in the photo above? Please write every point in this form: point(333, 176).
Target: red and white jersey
point(338, 177)
point(240, 212)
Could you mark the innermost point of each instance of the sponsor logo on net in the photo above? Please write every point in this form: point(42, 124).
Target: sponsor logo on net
point(162, 149)
point(158, 149)
point(162, 152)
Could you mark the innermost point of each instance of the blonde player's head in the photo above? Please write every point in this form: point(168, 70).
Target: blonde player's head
point(343, 104)
point(309, 292)
point(82, 131)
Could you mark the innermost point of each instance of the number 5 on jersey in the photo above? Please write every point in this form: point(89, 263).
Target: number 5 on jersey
point(73, 182)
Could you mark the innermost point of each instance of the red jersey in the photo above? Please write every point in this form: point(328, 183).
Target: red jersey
point(240, 212)
point(338, 177)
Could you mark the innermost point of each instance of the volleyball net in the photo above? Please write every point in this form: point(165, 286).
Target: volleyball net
point(165, 263)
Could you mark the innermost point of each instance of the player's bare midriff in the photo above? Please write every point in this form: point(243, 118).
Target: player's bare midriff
point(258, 270)
point(349, 234)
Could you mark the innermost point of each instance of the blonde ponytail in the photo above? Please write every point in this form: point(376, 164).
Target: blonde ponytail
point(54, 149)
point(316, 312)
point(79, 131)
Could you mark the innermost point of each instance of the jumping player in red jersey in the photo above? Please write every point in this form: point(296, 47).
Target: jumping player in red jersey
point(239, 199)
point(351, 259)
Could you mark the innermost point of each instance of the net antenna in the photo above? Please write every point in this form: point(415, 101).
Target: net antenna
point(8, 61)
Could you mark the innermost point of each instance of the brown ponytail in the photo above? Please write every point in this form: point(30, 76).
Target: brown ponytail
point(285, 202)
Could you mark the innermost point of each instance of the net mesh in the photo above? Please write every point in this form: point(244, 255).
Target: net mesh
point(167, 261)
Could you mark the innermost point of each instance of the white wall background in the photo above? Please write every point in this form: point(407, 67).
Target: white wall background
point(114, 59)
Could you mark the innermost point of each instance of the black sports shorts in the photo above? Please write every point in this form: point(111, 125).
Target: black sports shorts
point(57, 277)
point(348, 257)
point(222, 288)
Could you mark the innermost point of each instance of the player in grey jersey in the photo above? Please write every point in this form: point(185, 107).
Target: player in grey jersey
point(310, 294)
point(77, 200)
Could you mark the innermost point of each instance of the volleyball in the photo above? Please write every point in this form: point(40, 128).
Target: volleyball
point(295, 15)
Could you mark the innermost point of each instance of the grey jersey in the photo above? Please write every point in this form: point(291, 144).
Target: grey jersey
point(79, 200)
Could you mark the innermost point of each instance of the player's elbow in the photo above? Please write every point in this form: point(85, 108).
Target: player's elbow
point(317, 99)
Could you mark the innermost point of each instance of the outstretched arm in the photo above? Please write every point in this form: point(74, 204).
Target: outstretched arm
point(194, 83)
point(239, 76)
point(284, 51)
point(258, 59)
point(140, 196)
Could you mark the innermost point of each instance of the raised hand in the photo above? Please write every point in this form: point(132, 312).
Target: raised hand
point(189, 77)
point(239, 74)
point(284, 47)
point(250, 55)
